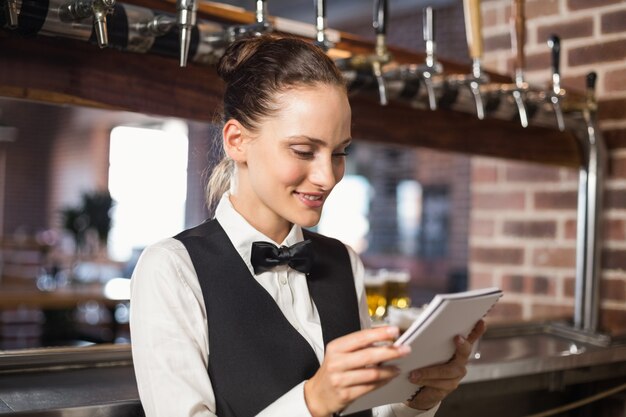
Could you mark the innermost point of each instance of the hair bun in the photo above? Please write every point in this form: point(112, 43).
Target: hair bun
point(238, 52)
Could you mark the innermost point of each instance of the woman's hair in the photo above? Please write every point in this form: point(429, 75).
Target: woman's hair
point(255, 70)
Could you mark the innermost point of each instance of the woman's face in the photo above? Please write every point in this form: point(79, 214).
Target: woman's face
point(294, 159)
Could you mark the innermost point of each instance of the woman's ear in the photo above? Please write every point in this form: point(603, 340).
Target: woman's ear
point(233, 135)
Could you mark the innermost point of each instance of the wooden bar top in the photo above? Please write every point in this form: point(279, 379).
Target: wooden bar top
point(68, 297)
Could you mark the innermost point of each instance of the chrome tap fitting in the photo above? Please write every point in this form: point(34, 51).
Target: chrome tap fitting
point(320, 25)
point(432, 66)
point(76, 10)
point(381, 11)
point(473, 29)
point(159, 25)
point(186, 11)
point(12, 8)
point(556, 95)
point(518, 38)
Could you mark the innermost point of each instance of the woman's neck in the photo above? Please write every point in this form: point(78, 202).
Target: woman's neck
point(269, 224)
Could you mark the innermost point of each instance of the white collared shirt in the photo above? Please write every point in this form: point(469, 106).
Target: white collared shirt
point(169, 329)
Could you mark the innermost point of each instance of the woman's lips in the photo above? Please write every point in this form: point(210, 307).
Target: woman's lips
point(312, 200)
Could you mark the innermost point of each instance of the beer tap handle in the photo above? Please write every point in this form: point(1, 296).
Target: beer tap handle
point(76, 10)
point(186, 11)
point(261, 12)
point(432, 66)
point(381, 11)
point(320, 24)
point(518, 36)
point(12, 14)
point(473, 29)
point(591, 89)
point(380, 17)
point(554, 43)
point(429, 38)
point(380, 27)
point(591, 79)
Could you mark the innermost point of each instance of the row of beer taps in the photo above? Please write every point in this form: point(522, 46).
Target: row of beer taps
point(442, 89)
point(427, 84)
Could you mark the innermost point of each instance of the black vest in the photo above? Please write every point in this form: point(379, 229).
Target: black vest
point(256, 355)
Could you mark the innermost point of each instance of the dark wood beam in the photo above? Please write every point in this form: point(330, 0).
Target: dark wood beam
point(448, 130)
point(65, 71)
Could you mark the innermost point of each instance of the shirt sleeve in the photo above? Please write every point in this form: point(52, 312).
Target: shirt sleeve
point(168, 333)
point(391, 410)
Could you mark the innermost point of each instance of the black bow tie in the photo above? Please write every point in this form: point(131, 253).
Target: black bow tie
point(266, 256)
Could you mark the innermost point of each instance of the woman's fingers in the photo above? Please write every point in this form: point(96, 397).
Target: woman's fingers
point(373, 376)
point(449, 371)
point(363, 338)
point(478, 330)
point(370, 356)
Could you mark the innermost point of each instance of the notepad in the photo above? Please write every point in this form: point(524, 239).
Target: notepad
point(431, 337)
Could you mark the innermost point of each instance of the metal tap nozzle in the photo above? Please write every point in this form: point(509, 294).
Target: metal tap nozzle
point(12, 12)
point(75, 10)
point(186, 18)
point(554, 43)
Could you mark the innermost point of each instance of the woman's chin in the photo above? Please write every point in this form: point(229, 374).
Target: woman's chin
point(309, 221)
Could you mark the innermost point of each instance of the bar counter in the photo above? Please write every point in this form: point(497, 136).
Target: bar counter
point(99, 380)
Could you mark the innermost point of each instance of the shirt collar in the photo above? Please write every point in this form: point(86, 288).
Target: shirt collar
point(242, 234)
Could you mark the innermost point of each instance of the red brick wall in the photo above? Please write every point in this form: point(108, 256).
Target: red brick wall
point(523, 221)
point(27, 165)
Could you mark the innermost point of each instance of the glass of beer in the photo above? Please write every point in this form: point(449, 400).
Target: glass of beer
point(376, 292)
point(398, 288)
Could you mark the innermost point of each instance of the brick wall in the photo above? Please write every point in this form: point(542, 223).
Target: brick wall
point(27, 165)
point(523, 218)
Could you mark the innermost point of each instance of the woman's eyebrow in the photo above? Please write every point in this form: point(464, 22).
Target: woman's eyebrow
point(316, 140)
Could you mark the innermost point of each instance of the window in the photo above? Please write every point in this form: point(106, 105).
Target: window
point(148, 182)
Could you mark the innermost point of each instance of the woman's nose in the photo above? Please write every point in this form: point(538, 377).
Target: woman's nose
point(323, 173)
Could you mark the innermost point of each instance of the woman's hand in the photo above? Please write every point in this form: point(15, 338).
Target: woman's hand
point(440, 380)
point(351, 368)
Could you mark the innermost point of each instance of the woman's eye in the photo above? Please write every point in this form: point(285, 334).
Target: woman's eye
point(303, 154)
point(341, 154)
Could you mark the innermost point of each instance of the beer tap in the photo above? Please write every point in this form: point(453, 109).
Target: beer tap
point(186, 11)
point(223, 38)
point(76, 10)
point(376, 61)
point(556, 95)
point(471, 11)
point(12, 13)
point(432, 66)
point(412, 75)
point(473, 29)
point(320, 25)
point(382, 54)
point(518, 37)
